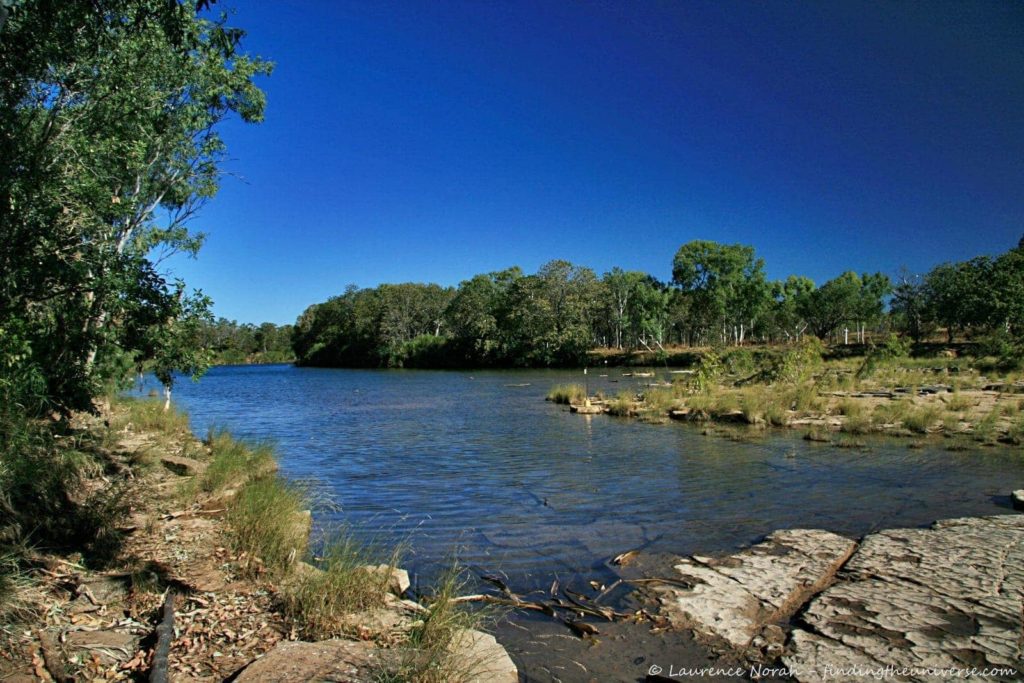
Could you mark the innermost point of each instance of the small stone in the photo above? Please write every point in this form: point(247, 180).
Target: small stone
point(183, 467)
point(1018, 499)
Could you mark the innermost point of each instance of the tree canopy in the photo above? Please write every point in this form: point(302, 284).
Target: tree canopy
point(109, 112)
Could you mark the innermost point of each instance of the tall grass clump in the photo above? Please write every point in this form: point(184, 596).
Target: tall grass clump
point(957, 402)
point(319, 600)
point(233, 461)
point(892, 412)
point(268, 525)
point(149, 415)
point(435, 650)
point(922, 419)
point(658, 401)
point(623, 405)
point(567, 394)
point(858, 423)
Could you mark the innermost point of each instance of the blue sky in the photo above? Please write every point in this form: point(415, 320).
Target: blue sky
point(430, 141)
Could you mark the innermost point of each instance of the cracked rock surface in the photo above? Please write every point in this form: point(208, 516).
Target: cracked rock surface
point(734, 598)
point(948, 597)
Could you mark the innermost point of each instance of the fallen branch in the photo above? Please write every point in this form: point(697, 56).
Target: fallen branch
point(52, 659)
point(164, 636)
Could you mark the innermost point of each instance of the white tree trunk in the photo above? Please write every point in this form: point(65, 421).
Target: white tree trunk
point(167, 397)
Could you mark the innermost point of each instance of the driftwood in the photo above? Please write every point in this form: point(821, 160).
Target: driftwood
point(164, 636)
point(52, 658)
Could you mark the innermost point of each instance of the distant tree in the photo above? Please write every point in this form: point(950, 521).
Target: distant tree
point(789, 298)
point(958, 295)
point(847, 299)
point(909, 307)
point(725, 283)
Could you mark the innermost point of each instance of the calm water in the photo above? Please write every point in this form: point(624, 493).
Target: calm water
point(463, 461)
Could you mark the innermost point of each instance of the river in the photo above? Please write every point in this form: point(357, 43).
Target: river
point(475, 463)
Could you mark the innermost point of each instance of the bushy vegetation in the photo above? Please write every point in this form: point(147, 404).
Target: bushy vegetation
point(567, 394)
point(232, 343)
point(318, 599)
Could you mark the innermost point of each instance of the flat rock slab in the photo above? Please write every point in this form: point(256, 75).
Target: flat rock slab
point(734, 598)
point(949, 597)
point(481, 659)
point(333, 661)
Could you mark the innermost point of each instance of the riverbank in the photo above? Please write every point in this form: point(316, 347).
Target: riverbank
point(967, 401)
point(211, 530)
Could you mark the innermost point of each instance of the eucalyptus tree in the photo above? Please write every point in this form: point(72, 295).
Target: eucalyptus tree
point(109, 112)
point(725, 283)
point(844, 300)
point(959, 295)
point(788, 299)
point(474, 313)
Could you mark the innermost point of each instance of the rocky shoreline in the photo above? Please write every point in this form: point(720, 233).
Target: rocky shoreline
point(920, 604)
point(102, 624)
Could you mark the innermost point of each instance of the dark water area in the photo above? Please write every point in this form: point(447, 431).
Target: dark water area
point(462, 461)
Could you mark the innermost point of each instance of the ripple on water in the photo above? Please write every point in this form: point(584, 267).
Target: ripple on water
point(455, 460)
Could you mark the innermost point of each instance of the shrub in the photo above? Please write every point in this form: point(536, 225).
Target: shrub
point(891, 349)
point(796, 364)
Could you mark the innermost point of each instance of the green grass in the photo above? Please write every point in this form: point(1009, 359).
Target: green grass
point(148, 415)
point(623, 405)
point(957, 402)
point(658, 401)
point(233, 461)
point(567, 393)
point(985, 430)
point(317, 602)
point(892, 412)
point(21, 599)
point(850, 408)
point(267, 525)
point(920, 420)
point(432, 654)
point(858, 423)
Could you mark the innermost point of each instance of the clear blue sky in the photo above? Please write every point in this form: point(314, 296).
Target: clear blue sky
point(429, 141)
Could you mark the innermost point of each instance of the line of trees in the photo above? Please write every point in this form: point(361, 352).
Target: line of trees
point(231, 343)
point(719, 294)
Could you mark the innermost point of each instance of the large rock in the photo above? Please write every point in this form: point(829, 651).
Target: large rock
point(1018, 499)
point(481, 659)
point(331, 661)
point(478, 658)
point(735, 597)
point(948, 597)
point(397, 578)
